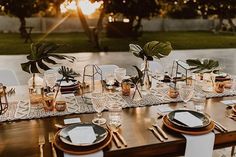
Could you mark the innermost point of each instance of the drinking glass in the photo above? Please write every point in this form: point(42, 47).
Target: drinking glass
point(120, 73)
point(99, 104)
point(114, 114)
point(186, 92)
point(50, 77)
point(199, 101)
point(233, 81)
point(110, 80)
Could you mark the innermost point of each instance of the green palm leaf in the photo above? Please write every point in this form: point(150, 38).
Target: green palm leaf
point(42, 51)
point(207, 65)
point(157, 49)
point(151, 49)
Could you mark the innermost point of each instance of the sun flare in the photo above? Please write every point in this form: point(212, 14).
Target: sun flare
point(86, 6)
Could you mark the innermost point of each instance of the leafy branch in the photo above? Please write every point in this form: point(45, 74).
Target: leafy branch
point(67, 73)
point(138, 78)
point(41, 54)
point(152, 49)
point(205, 66)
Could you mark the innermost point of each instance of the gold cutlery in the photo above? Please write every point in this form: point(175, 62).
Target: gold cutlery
point(41, 144)
point(156, 133)
point(115, 139)
point(115, 129)
point(121, 138)
point(51, 138)
point(220, 126)
point(160, 130)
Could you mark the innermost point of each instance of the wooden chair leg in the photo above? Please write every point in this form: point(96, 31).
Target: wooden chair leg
point(232, 151)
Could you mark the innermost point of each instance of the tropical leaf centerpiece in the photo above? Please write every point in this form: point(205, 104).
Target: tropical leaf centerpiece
point(152, 49)
point(42, 53)
point(67, 73)
point(202, 66)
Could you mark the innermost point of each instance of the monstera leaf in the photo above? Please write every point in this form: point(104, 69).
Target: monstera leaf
point(42, 53)
point(137, 78)
point(138, 51)
point(206, 65)
point(67, 73)
point(151, 49)
point(157, 49)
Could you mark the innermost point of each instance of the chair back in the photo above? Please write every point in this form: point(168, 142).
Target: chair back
point(8, 77)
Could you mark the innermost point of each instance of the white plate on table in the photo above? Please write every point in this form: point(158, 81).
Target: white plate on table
point(100, 132)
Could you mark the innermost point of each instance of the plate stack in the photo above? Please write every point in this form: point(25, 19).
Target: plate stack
point(82, 138)
point(188, 122)
point(69, 87)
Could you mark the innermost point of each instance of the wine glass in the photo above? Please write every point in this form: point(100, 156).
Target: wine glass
point(50, 77)
point(110, 80)
point(186, 91)
point(120, 73)
point(99, 104)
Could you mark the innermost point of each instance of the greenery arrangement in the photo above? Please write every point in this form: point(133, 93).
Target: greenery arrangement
point(202, 66)
point(67, 74)
point(42, 53)
point(138, 78)
point(152, 49)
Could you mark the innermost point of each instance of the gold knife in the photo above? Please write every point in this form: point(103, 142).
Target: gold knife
point(156, 133)
point(161, 131)
point(121, 138)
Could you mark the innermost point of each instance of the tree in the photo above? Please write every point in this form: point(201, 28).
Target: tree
point(134, 10)
point(224, 9)
point(181, 9)
point(22, 9)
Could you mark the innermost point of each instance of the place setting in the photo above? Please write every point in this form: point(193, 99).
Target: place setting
point(82, 138)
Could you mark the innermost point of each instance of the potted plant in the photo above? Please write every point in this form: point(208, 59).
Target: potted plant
point(151, 50)
point(41, 54)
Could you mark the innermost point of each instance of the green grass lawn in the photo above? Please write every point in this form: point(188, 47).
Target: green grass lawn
point(78, 42)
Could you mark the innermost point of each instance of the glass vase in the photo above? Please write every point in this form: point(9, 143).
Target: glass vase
point(147, 78)
point(35, 85)
point(137, 94)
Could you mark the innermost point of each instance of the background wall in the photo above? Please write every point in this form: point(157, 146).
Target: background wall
point(42, 25)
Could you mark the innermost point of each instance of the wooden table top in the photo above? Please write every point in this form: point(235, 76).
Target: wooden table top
point(20, 138)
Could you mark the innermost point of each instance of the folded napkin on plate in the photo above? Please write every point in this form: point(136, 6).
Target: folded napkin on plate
point(188, 119)
point(201, 145)
point(96, 154)
point(164, 108)
point(82, 135)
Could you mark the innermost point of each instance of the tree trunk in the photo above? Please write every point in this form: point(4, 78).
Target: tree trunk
point(83, 21)
point(231, 24)
point(91, 32)
point(220, 26)
point(22, 29)
point(138, 28)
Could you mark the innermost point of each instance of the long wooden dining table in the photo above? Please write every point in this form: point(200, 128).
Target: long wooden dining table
point(21, 137)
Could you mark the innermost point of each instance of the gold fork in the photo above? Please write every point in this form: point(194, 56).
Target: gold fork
point(51, 138)
point(41, 144)
point(115, 139)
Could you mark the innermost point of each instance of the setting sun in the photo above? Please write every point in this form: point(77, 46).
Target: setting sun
point(86, 6)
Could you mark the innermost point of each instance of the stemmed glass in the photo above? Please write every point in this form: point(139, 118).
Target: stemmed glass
point(110, 80)
point(120, 73)
point(233, 82)
point(99, 103)
point(186, 92)
point(50, 77)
